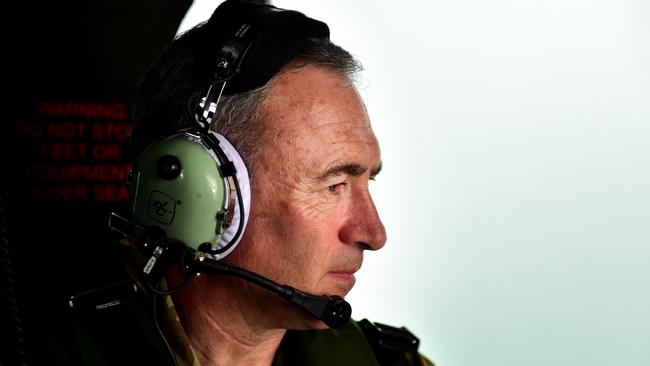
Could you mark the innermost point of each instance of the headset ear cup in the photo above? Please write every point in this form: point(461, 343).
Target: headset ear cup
point(177, 186)
point(231, 237)
point(190, 187)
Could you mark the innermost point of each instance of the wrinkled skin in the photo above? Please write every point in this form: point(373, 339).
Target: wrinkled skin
point(312, 214)
point(311, 217)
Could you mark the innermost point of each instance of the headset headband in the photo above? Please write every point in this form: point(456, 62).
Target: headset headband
point(257, 40)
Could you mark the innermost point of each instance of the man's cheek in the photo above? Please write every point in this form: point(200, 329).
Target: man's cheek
point(310, 209)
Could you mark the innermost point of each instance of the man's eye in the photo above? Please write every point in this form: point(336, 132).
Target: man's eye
point(335, 187)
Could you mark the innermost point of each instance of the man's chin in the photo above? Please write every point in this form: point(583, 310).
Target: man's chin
point(339, 284)
point(339, 289)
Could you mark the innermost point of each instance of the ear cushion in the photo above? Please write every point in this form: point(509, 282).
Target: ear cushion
point(230, 239)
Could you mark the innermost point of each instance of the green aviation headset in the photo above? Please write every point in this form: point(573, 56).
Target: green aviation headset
point(193, 183)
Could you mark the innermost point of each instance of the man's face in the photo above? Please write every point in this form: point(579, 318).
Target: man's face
point(311, 212)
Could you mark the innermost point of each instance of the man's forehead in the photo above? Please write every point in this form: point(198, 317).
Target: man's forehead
point(315, 121)
point(310, 98)
point(307, 83)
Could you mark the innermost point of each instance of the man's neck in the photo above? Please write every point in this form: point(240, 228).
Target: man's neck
point(225, 324)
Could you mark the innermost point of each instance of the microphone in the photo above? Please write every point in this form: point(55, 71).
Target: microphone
point(331, 310)
point(334, 311)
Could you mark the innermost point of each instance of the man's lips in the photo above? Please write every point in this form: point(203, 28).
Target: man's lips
point(345, 273)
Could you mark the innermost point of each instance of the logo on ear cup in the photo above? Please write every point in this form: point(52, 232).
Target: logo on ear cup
point(161, 207)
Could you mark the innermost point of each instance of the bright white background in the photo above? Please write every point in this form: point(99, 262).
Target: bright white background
point(516, 187)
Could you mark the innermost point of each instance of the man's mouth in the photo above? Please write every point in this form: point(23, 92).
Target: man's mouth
point(345, 274)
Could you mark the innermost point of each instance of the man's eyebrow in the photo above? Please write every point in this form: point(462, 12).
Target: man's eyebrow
point(352, 169)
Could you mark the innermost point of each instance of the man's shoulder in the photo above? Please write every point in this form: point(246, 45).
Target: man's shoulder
point(356, 343)
point(392, 345)
point(119, 334)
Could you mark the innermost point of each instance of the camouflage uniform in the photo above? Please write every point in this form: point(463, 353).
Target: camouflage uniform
point(127, 335)
point(340, 347)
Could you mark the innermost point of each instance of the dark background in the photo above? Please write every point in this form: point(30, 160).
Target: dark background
point(70, 71)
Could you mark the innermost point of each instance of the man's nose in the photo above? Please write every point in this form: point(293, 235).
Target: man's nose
point(363, 227)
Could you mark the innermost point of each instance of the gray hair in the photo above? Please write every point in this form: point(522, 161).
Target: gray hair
point(171, 84)
point(238, 115)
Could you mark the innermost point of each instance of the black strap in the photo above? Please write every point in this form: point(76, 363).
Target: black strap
point(391, 345)
point(269, 36)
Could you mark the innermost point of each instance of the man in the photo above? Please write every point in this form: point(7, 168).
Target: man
point(293, 114)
